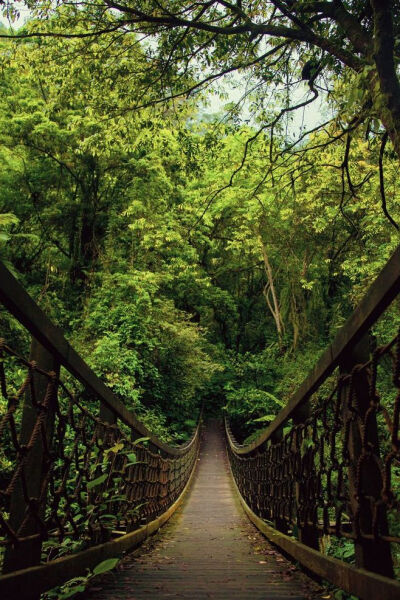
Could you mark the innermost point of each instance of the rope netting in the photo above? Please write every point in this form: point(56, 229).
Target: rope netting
point(338, 470)
point(75, 480)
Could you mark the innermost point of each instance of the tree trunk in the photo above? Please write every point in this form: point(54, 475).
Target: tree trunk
point(384, 83)
point(269, 288)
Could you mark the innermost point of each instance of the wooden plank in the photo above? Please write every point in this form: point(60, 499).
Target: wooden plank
point(359, 582)
point(379, 296)
point(28, 583)
point(211, 550)
point(24, 308)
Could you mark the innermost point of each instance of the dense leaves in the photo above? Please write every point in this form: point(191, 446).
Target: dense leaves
point(177, 268)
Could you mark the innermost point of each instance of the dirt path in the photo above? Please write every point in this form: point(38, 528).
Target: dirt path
point(209, 549)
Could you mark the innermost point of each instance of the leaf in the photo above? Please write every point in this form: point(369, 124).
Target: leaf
point(72, 592)
point(264, 418)
point(139, 506)
point(278, 401)
point(140, 440)
point(97, 481)
point(8, 219)
point(116, 448)
point(105, 566)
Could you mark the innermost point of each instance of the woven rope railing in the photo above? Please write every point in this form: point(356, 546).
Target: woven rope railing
point(329, 465)
point(82, 478)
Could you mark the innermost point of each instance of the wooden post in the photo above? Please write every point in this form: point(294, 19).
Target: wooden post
point(369, 554)
point(28, 553)
point(133, 523)
point(307, 534)
point(107, 415)
point(279, 523)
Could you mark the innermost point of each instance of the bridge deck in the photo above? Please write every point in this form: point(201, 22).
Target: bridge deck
point(209, 549)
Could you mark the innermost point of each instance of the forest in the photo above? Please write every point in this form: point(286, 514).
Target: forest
point(182, 271)
point(198, 208)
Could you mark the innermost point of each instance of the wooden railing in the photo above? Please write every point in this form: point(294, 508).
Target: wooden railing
point(328, 467)
point(82, 478)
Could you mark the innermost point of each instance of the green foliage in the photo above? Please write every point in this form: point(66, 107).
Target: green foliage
point(146, 350)
point(178, 282)
point(104, 220)
point(105, 565)
point(249, 404)
point(77, 585)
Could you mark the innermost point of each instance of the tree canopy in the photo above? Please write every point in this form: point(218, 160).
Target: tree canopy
point(273, 43)
point(188, 257)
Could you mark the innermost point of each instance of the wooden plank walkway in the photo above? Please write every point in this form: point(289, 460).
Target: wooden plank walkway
point(208, 549)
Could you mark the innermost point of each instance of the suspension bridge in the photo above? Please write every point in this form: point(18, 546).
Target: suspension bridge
point(82, 486)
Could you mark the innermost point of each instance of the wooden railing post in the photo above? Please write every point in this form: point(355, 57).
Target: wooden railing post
point(28, 553)
point(107, 415)
point(307, 534)
point(370, 554)
point(279, 523)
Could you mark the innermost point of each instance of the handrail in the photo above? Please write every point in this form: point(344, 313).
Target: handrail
point(30, 582)
point(379, 296)
point(356, 581)
point(27, 312)
point(102, 482)
point(332, 469)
